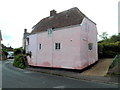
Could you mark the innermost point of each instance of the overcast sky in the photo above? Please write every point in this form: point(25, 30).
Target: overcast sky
point(16, 15)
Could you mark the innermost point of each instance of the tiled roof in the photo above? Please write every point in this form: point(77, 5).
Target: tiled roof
point(69, 17)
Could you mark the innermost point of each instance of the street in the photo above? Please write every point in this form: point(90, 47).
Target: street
point(18, 78)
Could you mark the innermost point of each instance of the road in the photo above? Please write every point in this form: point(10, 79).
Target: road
point(17, 78)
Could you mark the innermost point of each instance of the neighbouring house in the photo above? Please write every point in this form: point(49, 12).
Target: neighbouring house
point(63, 40)
point(24, 45)
point(0, 46)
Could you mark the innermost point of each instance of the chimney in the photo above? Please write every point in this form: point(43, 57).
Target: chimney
point(52, 13)
point(25, 30)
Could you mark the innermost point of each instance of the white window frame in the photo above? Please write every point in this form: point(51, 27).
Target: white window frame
point(90, 46)
point(57, 46)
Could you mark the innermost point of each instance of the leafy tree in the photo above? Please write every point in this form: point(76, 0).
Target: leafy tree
point(18, 51)
point(5, 52)
point(104, 35)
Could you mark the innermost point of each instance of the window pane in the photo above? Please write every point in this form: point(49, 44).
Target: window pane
point(39, 46)
point(57, 45)
point(90, 46)
point(50, 32)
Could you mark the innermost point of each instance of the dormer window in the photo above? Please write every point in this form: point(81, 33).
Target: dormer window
point(49, 32)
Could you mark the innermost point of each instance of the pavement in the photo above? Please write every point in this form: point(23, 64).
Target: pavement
point(95, 73)
point(99, 69)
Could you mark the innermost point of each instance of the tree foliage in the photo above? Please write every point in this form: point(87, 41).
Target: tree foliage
point(18, 51)
point(4, 52)
point(19, 61)
point(104, 35)
point(110, 47)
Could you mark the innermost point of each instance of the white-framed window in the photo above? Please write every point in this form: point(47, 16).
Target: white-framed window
point(49, 31)
point(90, 46)
point(57, 46)
point(40, 46)
point(86, 27)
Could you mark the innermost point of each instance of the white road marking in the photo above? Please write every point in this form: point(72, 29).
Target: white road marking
point(27, 72)
point(59, 87)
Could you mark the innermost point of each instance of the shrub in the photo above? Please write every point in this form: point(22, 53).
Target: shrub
point(108, 50)
point(17, 51)
point(19, 61)
point(115, 61)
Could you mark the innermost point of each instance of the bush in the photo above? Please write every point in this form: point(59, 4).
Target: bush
point(108, 50)
point(115, 61)
point(17, 51)
point(19, 61)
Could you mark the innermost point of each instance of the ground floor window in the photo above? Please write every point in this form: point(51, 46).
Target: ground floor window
point(57, 46)
point(39, 46)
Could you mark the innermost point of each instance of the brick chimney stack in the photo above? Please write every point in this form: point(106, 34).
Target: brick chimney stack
point(52, 12)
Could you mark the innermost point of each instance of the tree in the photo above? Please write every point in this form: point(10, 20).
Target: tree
point(18, 51)
point(109, 47)
point(104, 36)
point(4, 53)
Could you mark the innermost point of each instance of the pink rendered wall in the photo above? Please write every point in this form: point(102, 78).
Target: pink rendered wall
point(70, 48)
point(33, 47)
point(87, 56)
point(44, 55)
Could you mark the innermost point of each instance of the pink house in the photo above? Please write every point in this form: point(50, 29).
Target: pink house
point(63, 40)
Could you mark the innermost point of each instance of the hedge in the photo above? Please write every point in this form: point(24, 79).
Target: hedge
point(19, 61)
point(17, 51)
point(108, 50)
point(115, 61)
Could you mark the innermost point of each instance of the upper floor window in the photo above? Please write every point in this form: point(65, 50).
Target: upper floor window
point(90, 46)
point(57, 46)
point(86, 27)
point(49, 31)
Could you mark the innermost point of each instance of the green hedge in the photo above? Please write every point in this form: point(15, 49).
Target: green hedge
point(108, 50)
point(18, 51)
point(19, 61)
point(115, 61)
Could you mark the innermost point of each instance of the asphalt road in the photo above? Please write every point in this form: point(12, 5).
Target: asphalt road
point(17, 78)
